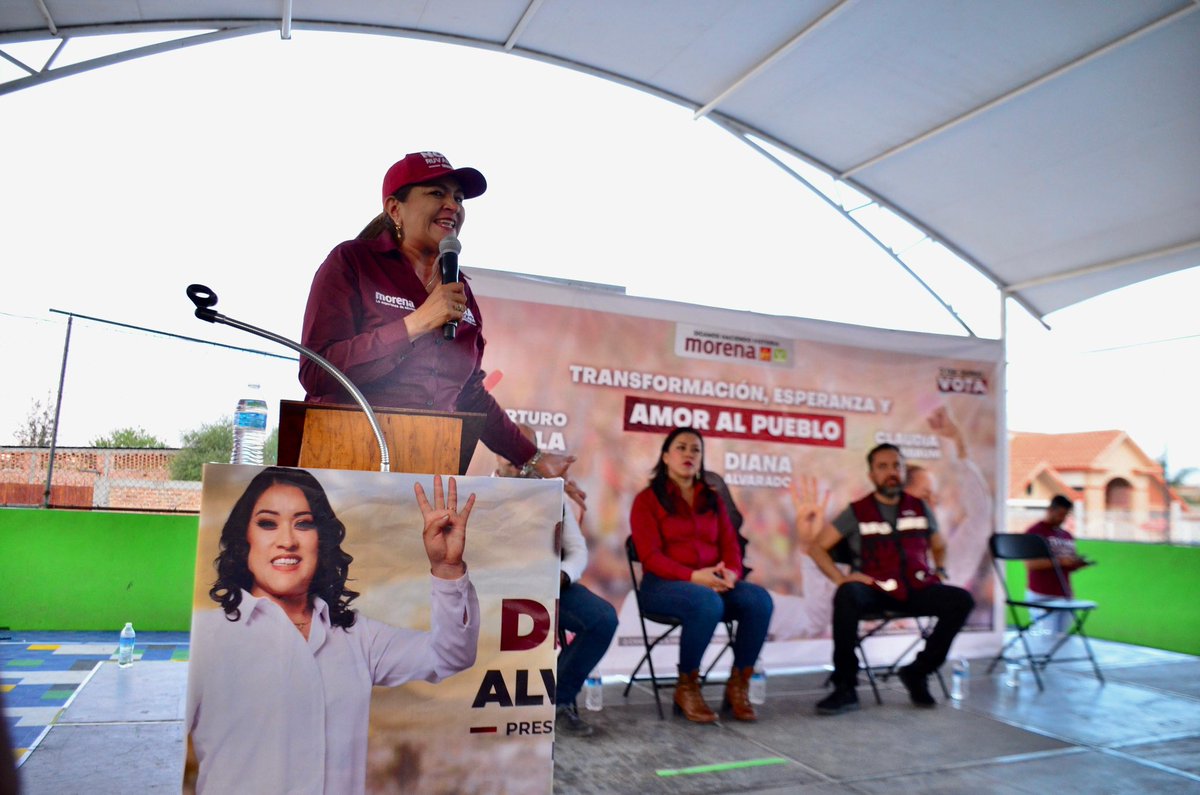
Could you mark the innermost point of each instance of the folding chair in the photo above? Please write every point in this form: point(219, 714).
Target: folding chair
point(671, 623)
point(878, 622)
point(1023, 546)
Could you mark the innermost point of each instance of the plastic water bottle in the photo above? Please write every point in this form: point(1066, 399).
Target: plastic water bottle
point(1012, 674)
point(125, 646)
point(249, 432)
point(593, 692)
point(758, 685)
point(959, 672)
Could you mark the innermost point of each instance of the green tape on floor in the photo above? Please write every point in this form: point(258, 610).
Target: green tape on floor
point(721, 767)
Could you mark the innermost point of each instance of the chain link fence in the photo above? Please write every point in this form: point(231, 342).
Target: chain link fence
point(1177, 526)
point(173, 395)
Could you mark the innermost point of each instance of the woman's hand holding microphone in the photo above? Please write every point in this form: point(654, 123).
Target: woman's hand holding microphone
point(447, 302)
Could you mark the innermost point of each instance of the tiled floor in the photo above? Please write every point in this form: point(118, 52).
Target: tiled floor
point(1139, 732)
point(40, 675)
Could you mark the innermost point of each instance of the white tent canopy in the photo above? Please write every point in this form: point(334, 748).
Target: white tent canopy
point(1054, 146)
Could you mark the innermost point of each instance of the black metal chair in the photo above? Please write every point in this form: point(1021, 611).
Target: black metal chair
point(671, 623)
point(876, 624)
point(1023, 546)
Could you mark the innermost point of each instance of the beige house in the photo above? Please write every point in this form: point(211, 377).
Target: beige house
point(1118, 490)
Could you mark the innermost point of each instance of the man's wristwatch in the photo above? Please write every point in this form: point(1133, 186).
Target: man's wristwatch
point(528, 469)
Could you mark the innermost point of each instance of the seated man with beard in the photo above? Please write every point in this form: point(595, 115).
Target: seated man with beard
point(892, 537)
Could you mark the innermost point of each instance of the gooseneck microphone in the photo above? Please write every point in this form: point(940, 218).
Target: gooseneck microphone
point(205, 299)
point(448, 251)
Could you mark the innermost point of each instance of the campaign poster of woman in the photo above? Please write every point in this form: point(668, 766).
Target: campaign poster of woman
point(347, 633)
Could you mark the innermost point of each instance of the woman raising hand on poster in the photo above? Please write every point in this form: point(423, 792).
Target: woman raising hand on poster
point(280, 677)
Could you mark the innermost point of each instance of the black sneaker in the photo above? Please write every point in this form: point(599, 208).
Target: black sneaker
point(917, 685)
point(839, 701)
point(568, 722)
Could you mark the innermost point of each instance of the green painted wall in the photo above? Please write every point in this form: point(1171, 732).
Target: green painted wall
point(1146, 593)
point(87, 570)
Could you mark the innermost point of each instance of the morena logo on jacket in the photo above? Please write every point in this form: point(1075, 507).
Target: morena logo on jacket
point(398, 301)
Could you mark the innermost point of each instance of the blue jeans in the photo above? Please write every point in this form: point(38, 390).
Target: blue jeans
point(1057, 624)
point(701, 609)
point(594, 622)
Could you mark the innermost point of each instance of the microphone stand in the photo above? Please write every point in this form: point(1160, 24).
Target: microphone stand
point(205, 299)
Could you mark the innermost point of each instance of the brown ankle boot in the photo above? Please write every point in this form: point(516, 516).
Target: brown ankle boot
point(689, 701)
point(737, 694)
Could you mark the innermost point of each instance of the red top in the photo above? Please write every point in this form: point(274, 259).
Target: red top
point(673, 545)
point(1062, 543)
point(355, 319)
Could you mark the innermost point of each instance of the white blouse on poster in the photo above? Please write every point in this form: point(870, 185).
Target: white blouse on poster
point(269, 711)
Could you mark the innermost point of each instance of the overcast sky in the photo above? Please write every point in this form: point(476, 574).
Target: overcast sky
point(241, 164)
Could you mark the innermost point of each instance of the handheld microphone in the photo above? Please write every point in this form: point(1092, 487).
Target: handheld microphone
point(448, 251)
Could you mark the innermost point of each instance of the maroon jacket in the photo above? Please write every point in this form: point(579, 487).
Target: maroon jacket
point(899, 553)
point(1062, 544)
point(355, 319)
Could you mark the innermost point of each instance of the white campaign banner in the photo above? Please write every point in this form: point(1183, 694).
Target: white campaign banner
point(605, 376)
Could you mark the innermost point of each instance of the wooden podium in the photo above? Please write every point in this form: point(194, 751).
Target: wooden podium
point(334, 436)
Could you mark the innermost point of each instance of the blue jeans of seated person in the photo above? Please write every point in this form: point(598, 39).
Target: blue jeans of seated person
point(594, 622)
point(1056, 624)
point(701, 609)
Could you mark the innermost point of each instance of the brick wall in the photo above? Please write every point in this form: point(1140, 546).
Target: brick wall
point(85, 477)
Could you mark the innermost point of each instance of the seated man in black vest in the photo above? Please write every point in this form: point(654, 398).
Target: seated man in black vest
point(891, 537)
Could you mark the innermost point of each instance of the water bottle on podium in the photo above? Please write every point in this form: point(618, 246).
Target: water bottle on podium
point(249, 431)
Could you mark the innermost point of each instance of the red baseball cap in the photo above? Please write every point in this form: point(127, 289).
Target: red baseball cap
point(419, 167)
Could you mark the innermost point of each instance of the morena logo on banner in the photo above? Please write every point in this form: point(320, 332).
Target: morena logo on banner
point(694, 342)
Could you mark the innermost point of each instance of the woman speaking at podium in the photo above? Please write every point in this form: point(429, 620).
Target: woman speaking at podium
point(377, 307)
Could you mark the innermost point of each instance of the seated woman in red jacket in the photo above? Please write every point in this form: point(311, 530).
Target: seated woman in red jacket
point(693, 570)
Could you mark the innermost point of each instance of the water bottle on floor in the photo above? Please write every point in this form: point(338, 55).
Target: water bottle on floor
point(125, 646)
point(593, 692)
point(1012, 674)
point(758, 685)
point(959, 671)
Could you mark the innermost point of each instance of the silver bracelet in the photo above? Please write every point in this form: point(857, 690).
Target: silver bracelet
point(528, 469)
